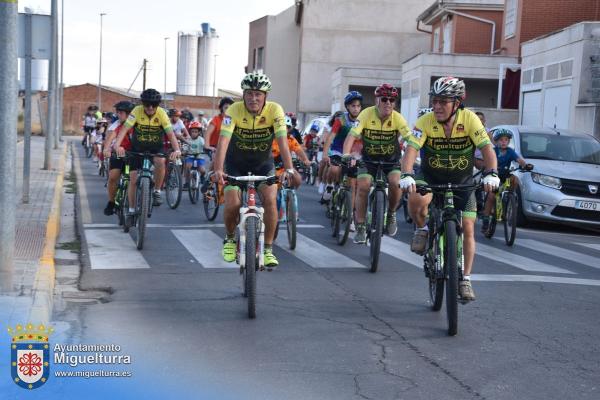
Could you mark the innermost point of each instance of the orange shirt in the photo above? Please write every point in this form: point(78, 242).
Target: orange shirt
point(293, 145)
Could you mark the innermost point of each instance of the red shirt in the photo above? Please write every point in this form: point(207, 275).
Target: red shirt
point(214, 138)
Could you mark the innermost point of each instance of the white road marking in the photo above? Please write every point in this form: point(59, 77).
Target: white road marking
point(534, 278)
point(113, 250)
point(514, 260)
point(187, 226)
point(595, 246)
point(318, 256)
point(400, 251)
point(205, 246)
point(86, 214)
point(559, 252)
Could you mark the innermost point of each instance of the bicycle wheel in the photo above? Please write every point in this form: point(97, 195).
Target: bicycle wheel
point(194, 187)
point(344, 216)
point(125, 206)
point(493, 218)
point(451, 265)
point(250, 265)
point(290, 209)
point(434, 274)
point(510, 218)
point(173, 186)
point(336, 208)
point(313, 173)
point(89, 149)
point(377, 215)
point(143, 205)
point(211, 201)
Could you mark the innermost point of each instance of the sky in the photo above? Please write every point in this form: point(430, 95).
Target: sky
point(134, 30)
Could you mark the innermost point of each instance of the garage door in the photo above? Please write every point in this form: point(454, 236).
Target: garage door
point(532, 108)
point(557, 103)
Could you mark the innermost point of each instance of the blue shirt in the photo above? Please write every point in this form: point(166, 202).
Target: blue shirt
point(505, 159)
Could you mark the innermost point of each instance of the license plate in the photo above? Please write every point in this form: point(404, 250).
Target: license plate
point(587, 205)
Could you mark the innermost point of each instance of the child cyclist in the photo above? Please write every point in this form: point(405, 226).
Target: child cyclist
point(196, 145)
point(505, 155)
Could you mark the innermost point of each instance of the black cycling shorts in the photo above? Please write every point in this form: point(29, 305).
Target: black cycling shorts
point(117, 163)
point(464, 200)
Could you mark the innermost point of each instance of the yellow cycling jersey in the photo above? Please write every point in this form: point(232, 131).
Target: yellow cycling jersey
point(450, 159)
point(148, 130)
point(252, 135)
point(380, 138)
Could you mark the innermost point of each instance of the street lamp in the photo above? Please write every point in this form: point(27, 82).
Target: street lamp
point(165, 92)
point(100, 73)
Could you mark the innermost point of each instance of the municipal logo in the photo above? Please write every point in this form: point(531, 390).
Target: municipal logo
point(227, 120)
point(460, 127)
point(30, 355)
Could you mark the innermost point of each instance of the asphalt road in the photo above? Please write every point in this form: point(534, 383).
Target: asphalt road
point(327, 328)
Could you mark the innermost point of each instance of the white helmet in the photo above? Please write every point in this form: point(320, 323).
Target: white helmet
point(448, 86)
point(288, 121)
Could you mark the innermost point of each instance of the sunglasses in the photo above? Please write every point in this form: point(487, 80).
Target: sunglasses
point(153, 105)
point(387, 99)
point(441, 102)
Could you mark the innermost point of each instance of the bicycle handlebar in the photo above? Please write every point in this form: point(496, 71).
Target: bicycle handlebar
point(269, 180)
point(429, 188)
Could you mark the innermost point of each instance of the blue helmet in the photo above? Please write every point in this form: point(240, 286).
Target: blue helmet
point(315, 127)
point(352, 95)
point(498, 133)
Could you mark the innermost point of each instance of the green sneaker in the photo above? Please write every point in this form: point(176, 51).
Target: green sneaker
point(270, 259)
point(229, 247)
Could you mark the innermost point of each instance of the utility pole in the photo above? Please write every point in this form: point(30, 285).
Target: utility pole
point(27, 116)
point(100, 68)
point(8, 140)
point(62, 59)
point(54, 60)
point(144, 74)
point(51, 125)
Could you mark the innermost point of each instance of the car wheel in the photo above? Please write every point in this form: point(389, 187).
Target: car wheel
point(521, 218)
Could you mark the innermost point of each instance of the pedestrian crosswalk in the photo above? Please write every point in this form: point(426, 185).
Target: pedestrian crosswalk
point(110, 249)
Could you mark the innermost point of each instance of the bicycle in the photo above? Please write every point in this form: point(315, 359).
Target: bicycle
point(341, 205)
point(376, 209)
point(444, 258)
point(505, 209)
point(211, 198)
point(195, 179)
point(143, 194)
point(173, 184)
point(88, 145)
point(312, 171)
point(121, 198)
point(250, 234)
point(287, 210)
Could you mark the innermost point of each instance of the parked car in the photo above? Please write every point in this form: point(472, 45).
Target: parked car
point(564, 185)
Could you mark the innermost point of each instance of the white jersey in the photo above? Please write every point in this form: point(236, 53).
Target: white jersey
point(178, 127)
point(89, 121)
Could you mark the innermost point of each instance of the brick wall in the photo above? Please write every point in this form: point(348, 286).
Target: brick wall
point(78, 98)
point(539, 17)
point(474, 37)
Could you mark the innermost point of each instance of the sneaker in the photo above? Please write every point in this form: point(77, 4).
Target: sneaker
point(129, 220)
point(109, 209)
point(327, 193)
point(485, 226)
point(352, 227)
point(419, 241)
point(465, 291)
point(361, 234)
point(156, 198)
point(391, 226)
point(321, 188)
point(270, 259)
point(229, 247)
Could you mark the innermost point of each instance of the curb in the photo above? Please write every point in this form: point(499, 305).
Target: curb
point(44, 282)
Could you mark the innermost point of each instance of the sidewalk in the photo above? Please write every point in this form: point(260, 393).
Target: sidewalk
point(37, 227)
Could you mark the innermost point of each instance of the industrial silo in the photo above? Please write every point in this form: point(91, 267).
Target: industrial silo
point(207, 50)
point(187, 57)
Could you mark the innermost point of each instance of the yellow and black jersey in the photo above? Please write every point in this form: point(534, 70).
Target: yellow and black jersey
point(252, 135)
point(380, 138)
point(148, 130)
point(448, 160)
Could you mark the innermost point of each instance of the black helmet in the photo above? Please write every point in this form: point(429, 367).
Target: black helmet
point(173, 112)
point(225, 100)
point(151, 96)
point(124, 105)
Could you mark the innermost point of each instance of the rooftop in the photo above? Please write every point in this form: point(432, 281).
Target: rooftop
point(437, 9)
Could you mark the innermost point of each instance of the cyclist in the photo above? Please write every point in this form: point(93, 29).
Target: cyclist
point(195, 144)
point(380, 128)
point(211, 137)
point(98, 138)
point(203, 121)
point(244, 147)
point(334, 146)
point(187, 117)
point(89, 124)
point(150, 123)
point(179, 128)
point(448, 137)
point(294, 148)
point(505, 156)
point(295, 132)
point(116, 165)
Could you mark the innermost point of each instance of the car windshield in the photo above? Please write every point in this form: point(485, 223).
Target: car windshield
point(562, 148)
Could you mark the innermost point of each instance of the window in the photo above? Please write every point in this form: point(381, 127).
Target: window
point(447, 38)
point(436, 40)
point(538, 74)
point(254, 60)
point(510, 18)
point(552, 71)
point(527, 75)
point(566, 68)
point(259, 58)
